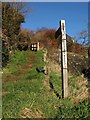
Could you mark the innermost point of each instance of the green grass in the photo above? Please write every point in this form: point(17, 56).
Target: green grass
point(21, 89)
point(56, 80)
point(75, 111)
point(25, 88)
point(28, 90)
point(73, 85)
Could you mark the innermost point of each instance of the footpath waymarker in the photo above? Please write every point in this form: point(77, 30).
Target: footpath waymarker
point(62, 33)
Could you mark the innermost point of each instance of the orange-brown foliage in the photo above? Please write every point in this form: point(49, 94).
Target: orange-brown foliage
point(77, 48)
point(47, 38)
point(50, 34)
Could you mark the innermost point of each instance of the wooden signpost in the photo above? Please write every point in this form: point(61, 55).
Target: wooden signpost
point(62, 33)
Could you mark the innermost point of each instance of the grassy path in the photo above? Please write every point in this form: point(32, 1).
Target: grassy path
point(27, 93)
point(24, 90)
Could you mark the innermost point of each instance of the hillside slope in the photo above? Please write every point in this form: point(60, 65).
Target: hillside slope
point(27, 93)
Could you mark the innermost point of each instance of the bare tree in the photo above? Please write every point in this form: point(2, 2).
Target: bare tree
point(83, 37)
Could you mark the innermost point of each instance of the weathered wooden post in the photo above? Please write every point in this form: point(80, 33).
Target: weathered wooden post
point(37, 46)
point(64, 59)
point(62, 33)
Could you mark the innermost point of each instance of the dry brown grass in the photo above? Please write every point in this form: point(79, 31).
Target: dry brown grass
point(82, 93)
point(30, 113)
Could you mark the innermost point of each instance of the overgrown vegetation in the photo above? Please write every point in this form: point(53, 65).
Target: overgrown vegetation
point(25, 94)
point(12, 17)
point(11, 22)
point(28, 93)
point(56, 84)
point(68, 110)
point(14, 38)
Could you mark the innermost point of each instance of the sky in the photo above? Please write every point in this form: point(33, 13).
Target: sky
point(48, 15)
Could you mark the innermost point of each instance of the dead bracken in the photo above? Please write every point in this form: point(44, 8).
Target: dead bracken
point(30, 113)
